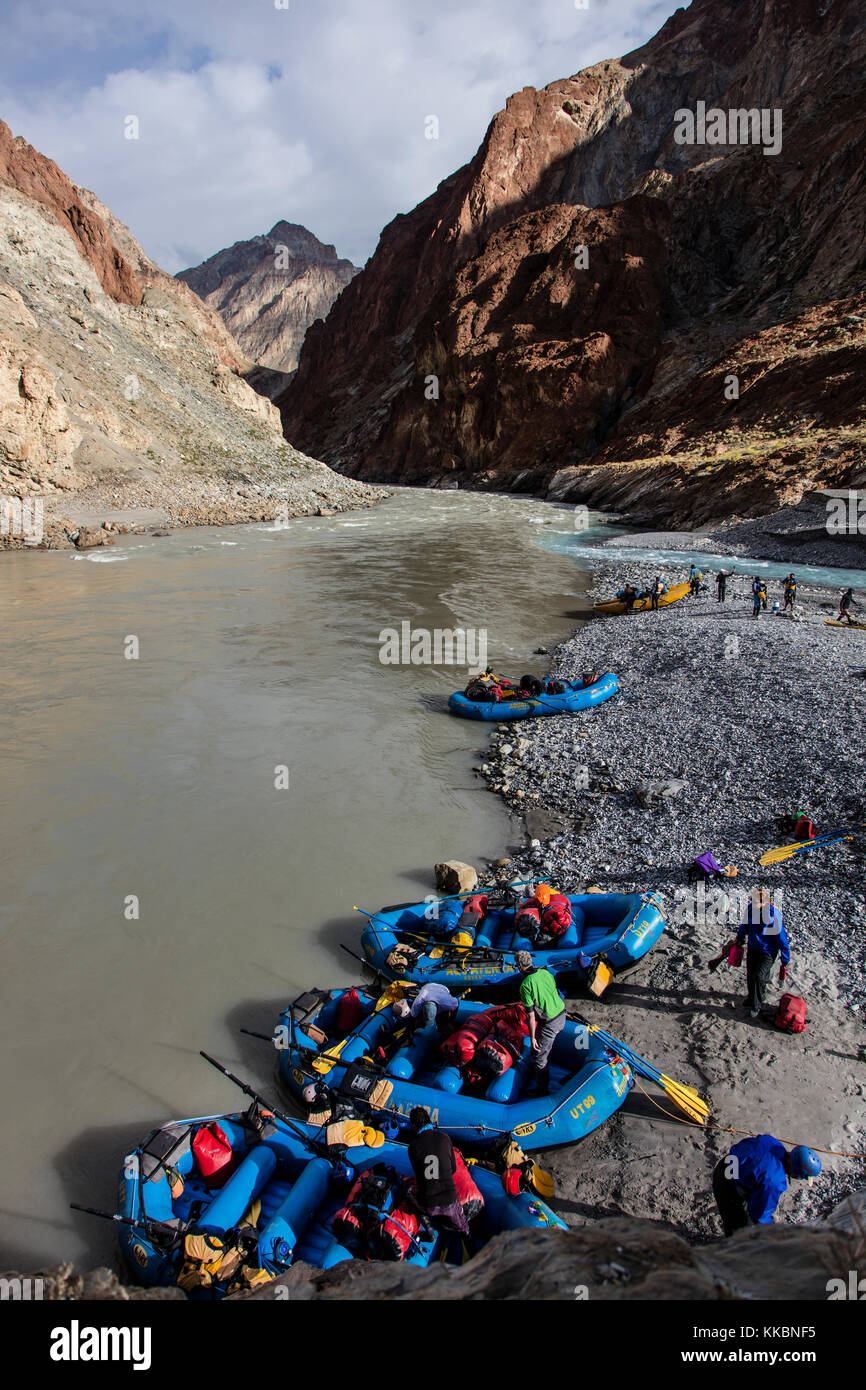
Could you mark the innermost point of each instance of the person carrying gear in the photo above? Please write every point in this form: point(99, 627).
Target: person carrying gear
point(749, 1181)
point(765, 932)
point(544, 916)
point(845, 601)
point(694, 581)
point(434, 1164)
point(546, 1016)
point(790, 592)
point(756, 597)
point(763, 593)
point(629, 594)
point(655, 592)
point(432, 1004)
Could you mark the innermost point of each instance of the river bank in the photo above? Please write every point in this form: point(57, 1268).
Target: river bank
point(746, 719)
point(153, 500)
point(823, 529)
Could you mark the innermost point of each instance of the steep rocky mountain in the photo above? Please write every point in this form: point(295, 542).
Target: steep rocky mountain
point(481, 344)
point(121, 394)
point(270, 289)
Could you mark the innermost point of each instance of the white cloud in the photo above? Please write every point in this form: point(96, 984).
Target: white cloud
point(249, 114)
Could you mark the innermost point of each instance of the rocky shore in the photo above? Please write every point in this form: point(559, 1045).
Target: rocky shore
point(292, 485)
point(723, 723)
point(801, 534)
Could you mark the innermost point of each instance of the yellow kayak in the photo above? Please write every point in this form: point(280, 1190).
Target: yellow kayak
point(834, 622)
point(616, 605)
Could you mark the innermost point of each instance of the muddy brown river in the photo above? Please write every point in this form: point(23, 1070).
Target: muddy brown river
point(205, 765)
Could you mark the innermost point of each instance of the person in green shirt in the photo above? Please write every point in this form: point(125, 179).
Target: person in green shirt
point(546, 1011)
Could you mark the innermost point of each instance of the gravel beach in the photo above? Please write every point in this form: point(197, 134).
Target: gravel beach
point(746, 719)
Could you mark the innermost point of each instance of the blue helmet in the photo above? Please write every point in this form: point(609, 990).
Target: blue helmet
point(805, 1163)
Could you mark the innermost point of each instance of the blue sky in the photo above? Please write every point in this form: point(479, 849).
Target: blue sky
point(249, 113)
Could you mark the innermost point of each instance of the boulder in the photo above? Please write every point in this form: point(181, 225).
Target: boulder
point(653, 793)
point(88, 537)
point(452, 876)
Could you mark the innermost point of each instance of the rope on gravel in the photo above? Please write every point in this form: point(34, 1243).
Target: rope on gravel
point(747, 1133)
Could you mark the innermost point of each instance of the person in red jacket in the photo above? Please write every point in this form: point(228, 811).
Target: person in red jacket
point(544, 916)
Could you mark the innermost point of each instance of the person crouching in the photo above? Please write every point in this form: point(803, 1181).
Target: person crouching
point(431, 1154)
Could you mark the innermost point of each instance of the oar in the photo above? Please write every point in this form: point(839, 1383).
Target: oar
point(685, 1098)
point(314, 1145)
point(832, 837)
point(446, 898)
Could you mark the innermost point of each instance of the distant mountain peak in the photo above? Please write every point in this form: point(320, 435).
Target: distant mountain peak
point(270, 288)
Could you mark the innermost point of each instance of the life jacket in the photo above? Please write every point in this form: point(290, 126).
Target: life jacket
point(804, 829)
point(460, 1047)
point(791, 1014)
point(348, 1011)
point(213, 1153)
point(556, 917)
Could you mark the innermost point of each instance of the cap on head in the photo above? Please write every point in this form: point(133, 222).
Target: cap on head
point(523, 961)
point(543, 894)
point(804, 1162)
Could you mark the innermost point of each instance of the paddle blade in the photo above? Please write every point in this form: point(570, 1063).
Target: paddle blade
point(541, 1182)
point(686, 1099)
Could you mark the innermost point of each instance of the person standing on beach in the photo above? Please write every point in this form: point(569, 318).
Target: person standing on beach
point(721, 584)
point(694, 581)
point(546, 1014)
point(749, 1181)
point(790, 592)
point(845, 601)
point(764, 931)
point(655, 592)
point(756, 597)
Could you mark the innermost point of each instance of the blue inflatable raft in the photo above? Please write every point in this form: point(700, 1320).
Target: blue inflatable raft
point(610, 930)
point(574, 698)
point(588, 1081)
point(288, 1196)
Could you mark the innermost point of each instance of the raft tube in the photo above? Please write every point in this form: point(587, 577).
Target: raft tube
point(588, 1082)
point(614, 605)
point(299, 1194)
point(573, 699)
point(616, 928)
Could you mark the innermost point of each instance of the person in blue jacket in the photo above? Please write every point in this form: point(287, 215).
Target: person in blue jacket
point(765, 932)
point(749, 1181)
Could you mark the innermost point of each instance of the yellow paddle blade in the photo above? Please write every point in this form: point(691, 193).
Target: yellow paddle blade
point(775, 856)
point(686, 1098)
point(688, 1091)
point(541, 1181)
point(323, 1064)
